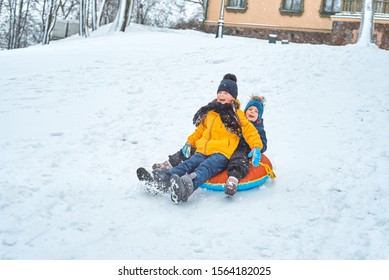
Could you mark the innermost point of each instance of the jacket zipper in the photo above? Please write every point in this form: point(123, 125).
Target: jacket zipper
point(210, 134)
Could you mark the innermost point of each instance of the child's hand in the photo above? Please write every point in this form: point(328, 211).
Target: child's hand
point(256, 154)
point(186, 150)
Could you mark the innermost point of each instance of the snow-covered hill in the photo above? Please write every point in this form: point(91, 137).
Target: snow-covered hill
point(77, 118)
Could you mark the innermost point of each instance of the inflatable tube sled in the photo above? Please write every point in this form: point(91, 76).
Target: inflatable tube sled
point(256, 177)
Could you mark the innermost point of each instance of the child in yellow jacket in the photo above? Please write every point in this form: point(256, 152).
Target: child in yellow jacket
point(217, 135)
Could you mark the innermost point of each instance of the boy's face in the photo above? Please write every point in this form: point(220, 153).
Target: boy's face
point(252, 113)
point(224, 97)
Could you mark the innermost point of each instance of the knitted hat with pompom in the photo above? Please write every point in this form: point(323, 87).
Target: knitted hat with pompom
point(229, 85)
point(257, 101)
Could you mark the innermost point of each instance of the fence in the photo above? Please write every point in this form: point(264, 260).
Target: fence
point(355, 6)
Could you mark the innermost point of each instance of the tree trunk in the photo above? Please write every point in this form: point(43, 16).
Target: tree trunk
point(123, 16)
point(23, 24)
point(50, 20)
point(83, 19)
point(94, 15)
point(126, 15)
point(100, 13)
point(18, 12)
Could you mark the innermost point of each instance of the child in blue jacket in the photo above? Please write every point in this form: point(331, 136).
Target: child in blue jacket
point(239, 165)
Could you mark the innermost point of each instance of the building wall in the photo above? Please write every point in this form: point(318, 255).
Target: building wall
point(345, 31)
point(266, 13)
point(263, 17)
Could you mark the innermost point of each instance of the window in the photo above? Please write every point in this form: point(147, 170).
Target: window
point(240, 4)
point(237, 6)
point(330, 6)
point(381, 6)
point(292, 5)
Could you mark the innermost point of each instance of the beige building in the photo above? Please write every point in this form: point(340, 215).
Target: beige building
point(333, 22)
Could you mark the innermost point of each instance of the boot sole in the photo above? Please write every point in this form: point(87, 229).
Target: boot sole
point(145, 176)
point(229, 191)
point(175, 185)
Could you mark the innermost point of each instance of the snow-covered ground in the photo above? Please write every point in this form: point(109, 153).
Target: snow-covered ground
point(77, 117)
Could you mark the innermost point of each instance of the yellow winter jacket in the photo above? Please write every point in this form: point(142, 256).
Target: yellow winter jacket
point(211, 136)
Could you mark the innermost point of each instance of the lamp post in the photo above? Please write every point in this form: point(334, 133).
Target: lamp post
point(219, 33)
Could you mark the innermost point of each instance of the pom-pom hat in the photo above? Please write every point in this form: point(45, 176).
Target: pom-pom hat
point(257, 103)
point(229, 86)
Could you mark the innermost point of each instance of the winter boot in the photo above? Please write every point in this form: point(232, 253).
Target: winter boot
point(150, 183)
point(231, 184)
point(162, 180)
point(164, 165)
point(181, 187)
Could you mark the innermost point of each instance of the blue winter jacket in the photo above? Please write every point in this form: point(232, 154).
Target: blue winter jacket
point(262, 133)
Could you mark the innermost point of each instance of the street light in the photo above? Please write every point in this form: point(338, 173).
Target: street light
point(219, 33)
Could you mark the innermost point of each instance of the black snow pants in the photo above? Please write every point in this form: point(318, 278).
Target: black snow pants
point(239, 164)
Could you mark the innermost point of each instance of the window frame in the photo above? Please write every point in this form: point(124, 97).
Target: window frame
point(325, 13)
point(236, 9)
point(283, 11)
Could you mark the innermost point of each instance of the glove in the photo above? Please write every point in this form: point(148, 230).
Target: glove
point(256, 154)
point(186, 150)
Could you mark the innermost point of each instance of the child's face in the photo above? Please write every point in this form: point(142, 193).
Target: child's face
point(252, 113)
point(224, 97)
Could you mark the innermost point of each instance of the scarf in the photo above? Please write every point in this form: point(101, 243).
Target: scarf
point(227, 114)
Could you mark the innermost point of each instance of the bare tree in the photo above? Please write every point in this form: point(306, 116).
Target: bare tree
point(107, 12)
point(18, 11)
point(126, 15)
point(123, 16)
point(83, 31)
point(50, 18)
point(142, 8)
point(67, 7)
point(100, 12)
point(94, 15)
point(28, 22)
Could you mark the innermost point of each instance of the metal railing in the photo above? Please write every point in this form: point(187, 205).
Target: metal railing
point(352, 6)
point(381, 6)
point(355, 6)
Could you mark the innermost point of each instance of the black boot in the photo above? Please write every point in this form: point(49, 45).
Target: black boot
point(162, 178)
point(150, 183)
point(181, 188)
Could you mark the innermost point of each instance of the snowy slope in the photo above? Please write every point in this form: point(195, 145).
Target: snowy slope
point(79, 116)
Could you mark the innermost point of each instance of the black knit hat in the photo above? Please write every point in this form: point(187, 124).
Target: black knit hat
point(229, 86)
point(230, 76)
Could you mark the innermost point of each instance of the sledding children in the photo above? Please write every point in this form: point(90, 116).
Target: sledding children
point(218, 126)
point(238, 165)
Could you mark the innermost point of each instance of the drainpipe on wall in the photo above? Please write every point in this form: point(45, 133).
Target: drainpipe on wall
point(367, 23)
point(219, 33)
point(206, 11)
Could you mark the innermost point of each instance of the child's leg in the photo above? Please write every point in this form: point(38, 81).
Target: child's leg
point(213, 165)
point(239, 165)
point(188, 166)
